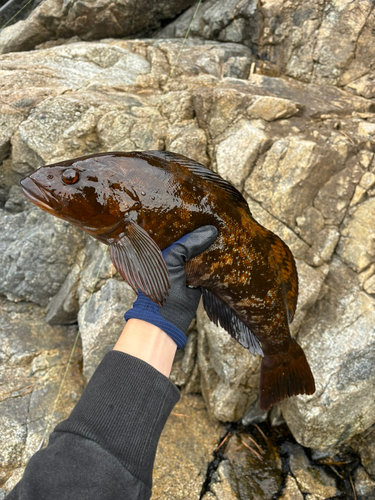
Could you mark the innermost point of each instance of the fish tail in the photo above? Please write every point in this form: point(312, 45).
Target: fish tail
point(283, 375)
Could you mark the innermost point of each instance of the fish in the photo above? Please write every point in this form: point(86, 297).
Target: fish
point(140, 202)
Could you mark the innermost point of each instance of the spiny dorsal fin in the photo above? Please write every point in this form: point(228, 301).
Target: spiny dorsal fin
point(201, 171)
point(285, 260)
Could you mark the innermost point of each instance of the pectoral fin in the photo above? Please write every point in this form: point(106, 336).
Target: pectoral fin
point(138, 259)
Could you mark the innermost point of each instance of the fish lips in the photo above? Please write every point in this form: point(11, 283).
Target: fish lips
point(37, 195)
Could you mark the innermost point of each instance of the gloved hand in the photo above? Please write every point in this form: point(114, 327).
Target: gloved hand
point(176, 314)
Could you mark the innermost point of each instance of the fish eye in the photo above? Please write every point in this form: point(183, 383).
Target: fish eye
point(70, 176)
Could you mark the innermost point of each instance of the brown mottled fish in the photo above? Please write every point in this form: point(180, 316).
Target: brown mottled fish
point(141, 202)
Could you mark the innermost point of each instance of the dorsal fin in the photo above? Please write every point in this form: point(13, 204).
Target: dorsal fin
point(285, 260)
point(201, 171)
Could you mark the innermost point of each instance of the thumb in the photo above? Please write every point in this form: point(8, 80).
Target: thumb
point(190, 245)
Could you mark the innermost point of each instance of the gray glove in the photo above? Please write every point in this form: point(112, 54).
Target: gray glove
point(175, 316)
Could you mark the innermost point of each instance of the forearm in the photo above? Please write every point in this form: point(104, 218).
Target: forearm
point(149, 343)
point(106, 448)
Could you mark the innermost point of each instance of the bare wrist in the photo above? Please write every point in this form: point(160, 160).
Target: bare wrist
point(149, 343)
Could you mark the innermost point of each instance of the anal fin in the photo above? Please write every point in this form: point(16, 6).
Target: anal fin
point(220, 313)
point(139, 261)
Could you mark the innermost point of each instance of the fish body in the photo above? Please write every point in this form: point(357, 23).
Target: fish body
point(139, 203)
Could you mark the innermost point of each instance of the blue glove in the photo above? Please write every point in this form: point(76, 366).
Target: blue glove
point(175, 316)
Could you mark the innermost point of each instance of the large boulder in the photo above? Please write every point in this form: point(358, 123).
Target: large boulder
point(90, 20)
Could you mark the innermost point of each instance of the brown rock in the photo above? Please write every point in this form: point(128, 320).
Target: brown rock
point(272, 108)
point(364, 484)
point(357, 244)
point(364, 444)
point(185, 449)
point(310, 479)
point(251, 477)
point(291, 491)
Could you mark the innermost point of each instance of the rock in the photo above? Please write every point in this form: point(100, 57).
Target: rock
point(253, 414)
point(276, 417)
point(245, 473)
point(367, 180)
point(97, 269)
point(224, 483)
point(292, 170)
point(364, 445)
point(293, 39)
point(359, 195)
point(9, 122)
point(291, 491)
point(364, 485)
point(358, 235)
point(185, 449)
point(310, 478)
point(338, 339)
point(189, 140)
point(369, 285)
point(37, 252)
point(229, 373)
point(101, 321)
point(34, 356)
point(99, 19)
point(225, 21)
point(271, 108)
point(64, 306)
point(323, 246)
point(184, 362)
point(238, 151)
point(333, 199)
point(16, 201)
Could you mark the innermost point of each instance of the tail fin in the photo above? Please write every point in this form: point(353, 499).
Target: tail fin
point(283, 375)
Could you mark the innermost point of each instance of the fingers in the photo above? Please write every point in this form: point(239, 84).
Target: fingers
point(190, 245)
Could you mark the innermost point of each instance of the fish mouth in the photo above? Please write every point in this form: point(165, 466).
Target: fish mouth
point(37, 195)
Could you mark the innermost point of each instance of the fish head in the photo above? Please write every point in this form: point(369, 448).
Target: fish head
point(87, 192)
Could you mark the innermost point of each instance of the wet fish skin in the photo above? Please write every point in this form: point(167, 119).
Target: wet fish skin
point(141, 202)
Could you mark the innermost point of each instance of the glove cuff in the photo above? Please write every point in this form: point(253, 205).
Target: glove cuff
point(154, 318)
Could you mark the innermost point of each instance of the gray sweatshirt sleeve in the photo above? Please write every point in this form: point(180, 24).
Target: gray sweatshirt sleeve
point(106, 448)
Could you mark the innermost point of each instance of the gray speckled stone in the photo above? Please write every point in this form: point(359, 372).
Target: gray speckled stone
point(33, 358)
point(101, 321)
point(310, 479)
point(36, 254)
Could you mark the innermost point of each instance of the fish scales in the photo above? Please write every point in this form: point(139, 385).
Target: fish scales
point(139, 203)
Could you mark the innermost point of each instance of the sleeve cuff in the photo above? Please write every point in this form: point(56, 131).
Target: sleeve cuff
point(155, 319)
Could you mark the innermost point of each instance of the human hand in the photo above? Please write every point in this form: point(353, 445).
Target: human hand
point(176, 314)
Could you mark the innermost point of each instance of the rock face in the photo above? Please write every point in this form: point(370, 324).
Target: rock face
point(54, 19)
point(256, 95)
point(36, 252)
point(185, 449)
point(33, 357)
point(323, 42)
